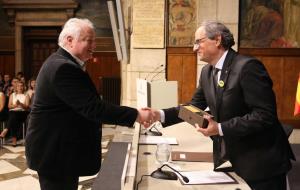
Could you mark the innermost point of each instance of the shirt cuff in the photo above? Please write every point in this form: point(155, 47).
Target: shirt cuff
point(220, 129)
point(162, 116)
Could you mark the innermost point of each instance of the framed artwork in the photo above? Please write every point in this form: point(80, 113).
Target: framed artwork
point(269, 24)
point(148, 24)
point(182, 22)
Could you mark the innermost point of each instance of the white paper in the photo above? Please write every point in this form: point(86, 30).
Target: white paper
point(104, 150)
point(104, 144)
point(146, 139)
point(182, 156)
point(206, 177)
point(141, 93)
point(85, 178)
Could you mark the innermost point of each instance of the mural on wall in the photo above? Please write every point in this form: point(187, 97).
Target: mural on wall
point(97, 12)
point(269, 23)
point(182, 22)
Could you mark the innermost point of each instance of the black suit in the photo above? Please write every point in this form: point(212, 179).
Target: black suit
point(256, 144)
point(64, 133)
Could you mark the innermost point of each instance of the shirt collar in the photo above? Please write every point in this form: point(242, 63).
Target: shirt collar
point(80, 62)
point(220, 63)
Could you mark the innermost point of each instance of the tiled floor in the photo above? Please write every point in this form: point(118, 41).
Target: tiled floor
point(14, 174)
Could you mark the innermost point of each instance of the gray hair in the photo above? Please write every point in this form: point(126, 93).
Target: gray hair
point(73, 27)
point(214, 28)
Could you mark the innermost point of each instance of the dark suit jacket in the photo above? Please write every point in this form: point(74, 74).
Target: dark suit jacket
point(64, 130)
point(256, 144)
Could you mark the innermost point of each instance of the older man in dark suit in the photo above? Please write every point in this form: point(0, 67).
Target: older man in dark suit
point(245, 128)
point(63, 139)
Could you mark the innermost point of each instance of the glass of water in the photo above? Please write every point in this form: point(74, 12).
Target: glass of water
point(163, 153)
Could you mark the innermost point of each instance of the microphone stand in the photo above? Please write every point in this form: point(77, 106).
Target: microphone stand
point(168, 175)
point(153, 133)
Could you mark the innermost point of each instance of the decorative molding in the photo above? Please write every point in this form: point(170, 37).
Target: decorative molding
point(14, 7)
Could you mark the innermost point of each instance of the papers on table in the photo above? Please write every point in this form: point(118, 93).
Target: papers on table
point(104, 144)
point(104, 150)
point(206, 177)
point(85, 178)
point(146, 139)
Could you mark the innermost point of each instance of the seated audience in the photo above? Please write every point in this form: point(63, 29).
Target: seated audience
point(20, 75)
point(18, 111)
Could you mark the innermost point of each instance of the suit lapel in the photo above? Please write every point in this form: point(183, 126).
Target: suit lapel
point(223, 79)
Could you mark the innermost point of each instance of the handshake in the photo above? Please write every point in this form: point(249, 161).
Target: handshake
point(148, 116)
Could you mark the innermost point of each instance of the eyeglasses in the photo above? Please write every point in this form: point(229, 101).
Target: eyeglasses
point(198, 42)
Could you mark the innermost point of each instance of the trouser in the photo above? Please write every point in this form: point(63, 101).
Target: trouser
point(15, 120)
point(274, 183)
point(56, 182)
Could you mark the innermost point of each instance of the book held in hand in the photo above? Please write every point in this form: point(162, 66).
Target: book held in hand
point(193, 115)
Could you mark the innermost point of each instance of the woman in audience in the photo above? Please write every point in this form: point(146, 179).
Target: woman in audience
point(13, 86)
point(31, 88)
point(18, 111)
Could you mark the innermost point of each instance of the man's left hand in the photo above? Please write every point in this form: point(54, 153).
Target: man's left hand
point(212, 127)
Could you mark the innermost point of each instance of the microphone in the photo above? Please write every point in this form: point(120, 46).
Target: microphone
point(160, 174)
point(157, 74)
point(151, 132)
point(155, 69)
